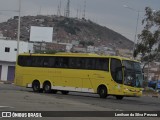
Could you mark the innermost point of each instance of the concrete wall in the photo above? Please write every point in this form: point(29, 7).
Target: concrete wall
point(12, 45)
point(4, 71)
point(9, 58)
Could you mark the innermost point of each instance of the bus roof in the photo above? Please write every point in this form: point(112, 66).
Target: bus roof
point(80, 55)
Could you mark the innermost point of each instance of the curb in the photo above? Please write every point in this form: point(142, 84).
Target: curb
point(6, 82)
point(154, 96)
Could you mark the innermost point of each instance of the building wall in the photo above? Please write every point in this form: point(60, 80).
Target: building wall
point(12, 45)
point(0, 71)
point(4, 70)
point(8, 58)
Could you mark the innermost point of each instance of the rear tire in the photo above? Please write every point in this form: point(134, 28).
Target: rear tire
point(64, 92)
point(102, 91)
point(47, 87)
point(36, 86)
point(119, 97)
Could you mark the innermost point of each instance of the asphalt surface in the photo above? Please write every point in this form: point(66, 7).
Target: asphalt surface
point(13, 98)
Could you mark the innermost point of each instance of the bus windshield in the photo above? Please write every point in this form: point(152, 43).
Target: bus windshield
point(132, 74)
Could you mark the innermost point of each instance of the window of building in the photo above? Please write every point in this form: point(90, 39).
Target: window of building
point(7, 49)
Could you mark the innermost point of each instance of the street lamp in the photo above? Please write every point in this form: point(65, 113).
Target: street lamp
point(136, 25)
point(19, 24)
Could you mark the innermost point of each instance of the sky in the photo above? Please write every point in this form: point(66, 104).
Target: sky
point(109, 13)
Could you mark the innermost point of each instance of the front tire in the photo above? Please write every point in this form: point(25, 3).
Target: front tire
point(103, 92)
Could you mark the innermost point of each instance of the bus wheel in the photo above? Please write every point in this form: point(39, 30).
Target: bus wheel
point(102, 91)
point(64, 92)
point(119, 97)
point(47, 87)
point(36, 86)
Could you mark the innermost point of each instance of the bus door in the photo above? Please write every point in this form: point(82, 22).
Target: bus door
point(117, 76)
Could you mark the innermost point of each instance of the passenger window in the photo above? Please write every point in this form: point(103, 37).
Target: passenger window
point(37, 61)
point(80, 63)
point(65, 62)
point(76, 63)
point(61, 62)
point(72, 62)
point(102, 64)
point(116, 70)
point(49, 62)
point(90, 63)
point(24, 60)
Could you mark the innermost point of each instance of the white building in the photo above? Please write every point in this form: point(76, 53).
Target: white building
point(68, 46)
point(8, 52)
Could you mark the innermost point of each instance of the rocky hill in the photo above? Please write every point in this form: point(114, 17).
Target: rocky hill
point(66, 30)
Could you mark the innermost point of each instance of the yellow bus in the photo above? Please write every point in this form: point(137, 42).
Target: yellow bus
point(92, 73)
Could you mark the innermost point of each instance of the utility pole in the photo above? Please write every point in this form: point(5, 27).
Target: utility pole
point(135, 37)
point(84, 11)
point(77, 13)
point(19, 24)
point(68, 9)
point(59, 9)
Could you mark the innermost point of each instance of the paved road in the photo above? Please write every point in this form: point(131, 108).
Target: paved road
point(13, 98)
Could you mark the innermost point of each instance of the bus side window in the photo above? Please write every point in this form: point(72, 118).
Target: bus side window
point(65, 62)
point(116, 70)
point(27, 61)
point(34, 62)
point(37, 61)
point(80, 63)
point(61, 62)
point(57, 62)
point(90, 63)
point(21, 61)
point(40, 61)
point(72, 62)
point(46, 62)
point(102, 64)
point(24, 61)
point(51, 62)
point(105, 64)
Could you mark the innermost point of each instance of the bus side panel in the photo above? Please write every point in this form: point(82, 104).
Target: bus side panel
point(18, 77)
point(98, 78)
point(72, 79)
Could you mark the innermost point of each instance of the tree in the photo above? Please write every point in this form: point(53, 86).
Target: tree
point(149, 39)
point(83, 43)
point(90, 43)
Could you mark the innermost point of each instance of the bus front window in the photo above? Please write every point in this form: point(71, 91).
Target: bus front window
point(132, 74)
